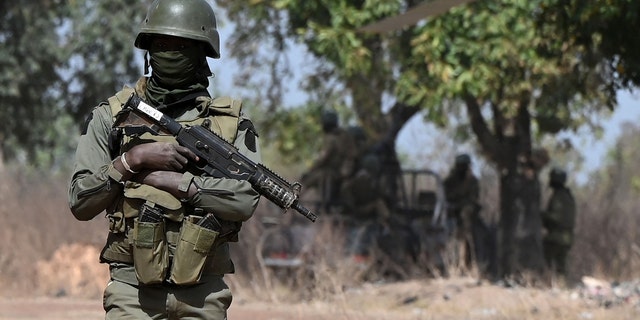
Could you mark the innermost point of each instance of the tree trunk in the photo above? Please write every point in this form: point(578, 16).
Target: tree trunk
point(520, 227)
point(1, 159)
point(508, 146)
point(507, 225)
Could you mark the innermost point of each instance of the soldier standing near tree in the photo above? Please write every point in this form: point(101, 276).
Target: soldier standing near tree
point(334, 163)
point(462, 192)
point(559, 221)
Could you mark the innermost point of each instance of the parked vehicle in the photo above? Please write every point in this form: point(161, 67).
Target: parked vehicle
point(413, 241)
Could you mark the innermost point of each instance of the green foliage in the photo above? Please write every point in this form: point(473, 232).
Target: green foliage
point(494, 52)
point(326, 30)
point(603, 30)
point(29, 56)
point(294, 133)
point(98, 68)
point(56, 59)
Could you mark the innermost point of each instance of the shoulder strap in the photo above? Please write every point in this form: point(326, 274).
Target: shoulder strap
point(119, 99)
point(226, 105)
point(226, 113)
point(115, 104)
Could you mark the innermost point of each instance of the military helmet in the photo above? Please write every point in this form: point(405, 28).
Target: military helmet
point(557, 176)
point(371, 163)
point(463, 159)
point(190, 19)
point(329, 120)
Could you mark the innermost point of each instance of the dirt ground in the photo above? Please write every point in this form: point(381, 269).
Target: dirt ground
point(73, 272)
point(426, 299)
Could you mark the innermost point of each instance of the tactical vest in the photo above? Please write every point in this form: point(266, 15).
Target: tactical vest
point(220, 115)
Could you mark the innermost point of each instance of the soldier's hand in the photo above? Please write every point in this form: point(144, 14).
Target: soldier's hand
point(159, 156)
point(165, 180)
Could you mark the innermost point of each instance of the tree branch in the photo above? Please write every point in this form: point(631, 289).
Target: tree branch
point(479, 126)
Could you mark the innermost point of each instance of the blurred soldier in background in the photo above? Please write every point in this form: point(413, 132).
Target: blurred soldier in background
point(558, 220)
point(528, 232)
point(364, 207)
point(521, 237)
point(361, 144)
point(462, 192)
point(334, 163)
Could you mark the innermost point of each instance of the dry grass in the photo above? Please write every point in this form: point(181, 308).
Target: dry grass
point(36, 222)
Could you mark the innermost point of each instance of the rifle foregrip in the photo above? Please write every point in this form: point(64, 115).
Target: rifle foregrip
point(283, 196)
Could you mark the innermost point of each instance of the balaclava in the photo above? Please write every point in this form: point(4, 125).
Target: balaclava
point(176, 74)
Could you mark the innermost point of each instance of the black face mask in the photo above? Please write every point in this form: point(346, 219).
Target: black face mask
point(178, 69)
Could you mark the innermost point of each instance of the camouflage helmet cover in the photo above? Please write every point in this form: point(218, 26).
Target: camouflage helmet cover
point(190, 19)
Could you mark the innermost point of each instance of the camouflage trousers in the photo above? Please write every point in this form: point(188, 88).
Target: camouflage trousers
point(556, 255)
point(208, 301)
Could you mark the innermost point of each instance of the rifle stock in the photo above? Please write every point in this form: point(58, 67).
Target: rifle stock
point(217, 156)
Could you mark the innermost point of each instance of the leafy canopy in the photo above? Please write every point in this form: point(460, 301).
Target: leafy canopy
point(56, 63)
point(500, 54)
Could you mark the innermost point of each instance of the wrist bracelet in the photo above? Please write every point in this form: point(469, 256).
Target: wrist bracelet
point(125, 164)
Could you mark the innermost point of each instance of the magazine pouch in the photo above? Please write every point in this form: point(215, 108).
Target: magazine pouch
point(194, 245)
point(150, 249)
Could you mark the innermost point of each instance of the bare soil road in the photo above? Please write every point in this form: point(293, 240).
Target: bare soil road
point(74, 309)
point(445, 299)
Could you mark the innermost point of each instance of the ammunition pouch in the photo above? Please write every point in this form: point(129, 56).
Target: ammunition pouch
point(196, 246)
point(159, 257)
point(195, 243)
point(150, 251)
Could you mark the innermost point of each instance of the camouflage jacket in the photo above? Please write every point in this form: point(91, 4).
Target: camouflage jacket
point(559, 217)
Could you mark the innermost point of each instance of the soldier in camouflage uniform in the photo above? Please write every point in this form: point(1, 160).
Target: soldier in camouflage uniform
point(462, 192)
point(335, 162)
point(364, 207)
point(168, 267)
point(361, 144)
point(558, 220)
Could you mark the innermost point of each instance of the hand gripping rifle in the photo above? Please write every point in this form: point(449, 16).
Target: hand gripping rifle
point(217, 156)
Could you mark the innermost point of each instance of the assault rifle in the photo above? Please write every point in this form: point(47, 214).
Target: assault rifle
point(217, 157)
